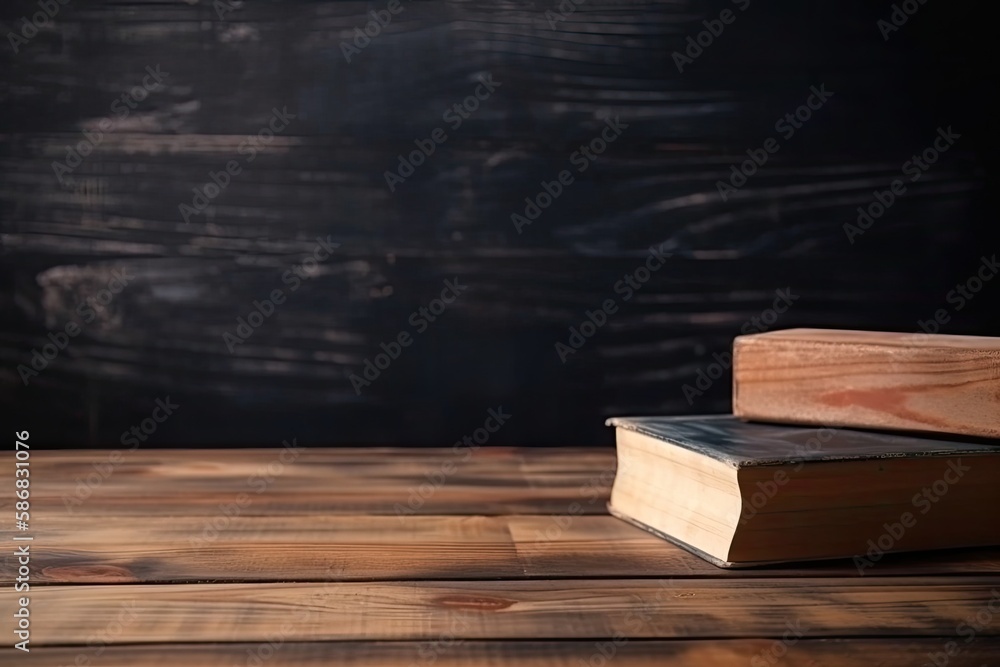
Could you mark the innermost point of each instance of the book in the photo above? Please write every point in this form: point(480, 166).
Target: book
point(741, 494)
point(866, 379)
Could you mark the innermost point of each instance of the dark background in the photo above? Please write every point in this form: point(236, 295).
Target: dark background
point(162, 335)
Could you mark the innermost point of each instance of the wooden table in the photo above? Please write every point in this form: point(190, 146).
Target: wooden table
point(420, 557)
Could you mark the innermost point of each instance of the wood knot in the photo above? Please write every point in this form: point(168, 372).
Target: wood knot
point(89, 573)
point(474, 602)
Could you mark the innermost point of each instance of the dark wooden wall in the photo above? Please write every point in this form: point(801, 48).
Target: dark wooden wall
point(324, 176)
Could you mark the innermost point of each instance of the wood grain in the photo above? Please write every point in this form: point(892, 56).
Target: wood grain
point(903, 652)
point(317, 481)
point(325, 176)
point(915, 382)
point(120, 582)
point(380, 548)
point(581, 609)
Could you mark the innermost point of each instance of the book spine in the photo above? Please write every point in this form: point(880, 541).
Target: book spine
point(888, 381)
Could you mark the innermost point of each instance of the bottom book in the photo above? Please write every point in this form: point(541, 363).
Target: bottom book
point(740, 494)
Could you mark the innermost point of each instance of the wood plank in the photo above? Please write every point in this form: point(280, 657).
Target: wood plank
point(70, 550)
point(506, 458)
point(865, 379)
point(294, 548)
point(318, 481)
point(631, 653)
point(562, 546)
point(582, 609)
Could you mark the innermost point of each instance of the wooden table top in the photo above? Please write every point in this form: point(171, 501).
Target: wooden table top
point(418, 557)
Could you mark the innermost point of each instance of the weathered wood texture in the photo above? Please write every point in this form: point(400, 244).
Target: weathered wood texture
point(632, 653)
point(380, 548)
point(861, 379)
point(577, 608)
point(324, 176)
point(138, 584)
point(316, 481)
point(176, 516)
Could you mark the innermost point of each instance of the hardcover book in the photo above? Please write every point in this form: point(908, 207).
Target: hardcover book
point(741, 494)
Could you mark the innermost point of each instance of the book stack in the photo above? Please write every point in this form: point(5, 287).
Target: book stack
point(842, 444)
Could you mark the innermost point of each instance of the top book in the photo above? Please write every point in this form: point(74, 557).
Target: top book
point(927, 383)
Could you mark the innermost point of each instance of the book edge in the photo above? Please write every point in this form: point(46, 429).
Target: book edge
point(782, 336)
point(680, 543)
point(629, 423)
